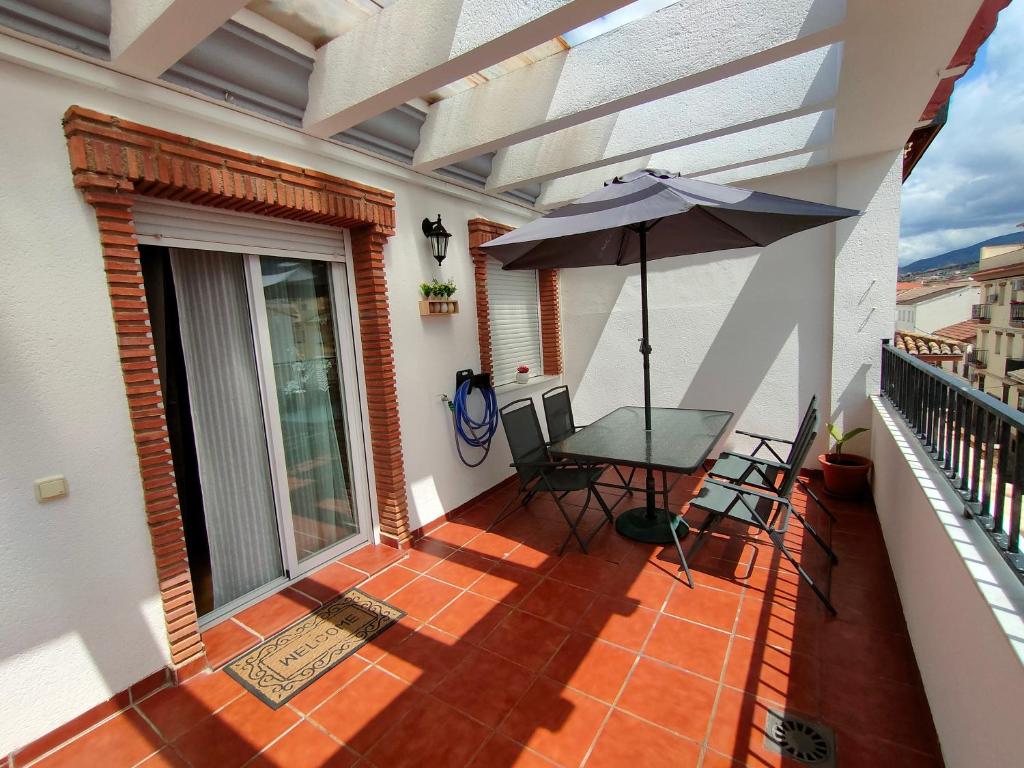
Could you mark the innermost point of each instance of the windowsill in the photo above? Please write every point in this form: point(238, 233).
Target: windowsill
point(534, 381)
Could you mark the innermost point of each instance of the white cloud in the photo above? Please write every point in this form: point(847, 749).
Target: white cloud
point(968, 186)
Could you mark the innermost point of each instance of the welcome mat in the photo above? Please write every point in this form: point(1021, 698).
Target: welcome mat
point(288, 661)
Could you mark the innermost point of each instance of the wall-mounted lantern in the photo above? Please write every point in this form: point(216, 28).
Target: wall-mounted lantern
point(438, 237)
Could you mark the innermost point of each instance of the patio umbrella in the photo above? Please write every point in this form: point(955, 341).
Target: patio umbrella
point(653, 214)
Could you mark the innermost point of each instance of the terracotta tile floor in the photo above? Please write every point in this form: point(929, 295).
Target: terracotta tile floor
point(513, 656)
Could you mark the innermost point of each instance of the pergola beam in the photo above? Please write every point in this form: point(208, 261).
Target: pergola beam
point(782, 139)
point(788, 88)
point(665, 53)
point(416, 46)
point(148, 38)
point(785, 164)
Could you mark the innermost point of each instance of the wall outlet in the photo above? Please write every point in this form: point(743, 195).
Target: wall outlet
point(50, 488)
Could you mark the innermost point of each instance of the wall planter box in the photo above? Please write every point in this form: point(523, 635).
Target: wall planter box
point(439, 307)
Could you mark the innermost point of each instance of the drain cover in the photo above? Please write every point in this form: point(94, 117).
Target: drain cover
point(800, 739)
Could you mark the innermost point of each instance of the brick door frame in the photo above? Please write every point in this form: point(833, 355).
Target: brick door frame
point(114, 160)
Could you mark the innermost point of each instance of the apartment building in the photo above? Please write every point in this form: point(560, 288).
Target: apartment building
point(997, 361)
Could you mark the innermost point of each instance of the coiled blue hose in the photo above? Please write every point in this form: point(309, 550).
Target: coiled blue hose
point(476, 433)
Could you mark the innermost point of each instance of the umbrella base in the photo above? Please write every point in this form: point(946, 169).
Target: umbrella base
point(637, 525)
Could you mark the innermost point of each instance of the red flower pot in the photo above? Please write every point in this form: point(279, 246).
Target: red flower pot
point(845, 474)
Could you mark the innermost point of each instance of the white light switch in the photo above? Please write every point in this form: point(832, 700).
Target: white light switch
point(49, 488)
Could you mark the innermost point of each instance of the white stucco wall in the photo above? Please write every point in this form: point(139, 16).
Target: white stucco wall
point(80, 609)
point(962, 606)
point(947, 309)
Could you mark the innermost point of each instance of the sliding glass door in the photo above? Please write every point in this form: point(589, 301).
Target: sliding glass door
point(258, 360)
point(307, 366)
point(310, 401)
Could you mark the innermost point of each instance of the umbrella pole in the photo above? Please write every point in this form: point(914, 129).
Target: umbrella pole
point(645, 350)
point(649, 523)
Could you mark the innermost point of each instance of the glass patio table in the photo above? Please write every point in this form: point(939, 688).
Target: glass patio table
point(679, 441)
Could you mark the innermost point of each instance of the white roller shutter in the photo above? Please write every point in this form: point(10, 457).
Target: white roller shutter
point(161, 222)
point(514, 310)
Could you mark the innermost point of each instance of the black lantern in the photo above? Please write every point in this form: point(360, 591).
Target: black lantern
point(438, 237)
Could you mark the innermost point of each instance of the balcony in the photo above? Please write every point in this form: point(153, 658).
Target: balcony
point(978, 358)
point(1017, 314)
point(512, 653)
point(982, 313)
point(1013, 364)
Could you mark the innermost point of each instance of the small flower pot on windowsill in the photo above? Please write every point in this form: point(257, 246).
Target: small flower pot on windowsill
point(523, 378)
point(845, 474)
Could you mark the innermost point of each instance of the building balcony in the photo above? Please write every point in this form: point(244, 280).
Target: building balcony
point(978, 358)
point(1013, 364)
point(982, 313)
point(1017, 314)
point(510, 652)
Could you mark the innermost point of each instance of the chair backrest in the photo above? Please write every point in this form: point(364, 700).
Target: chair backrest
point(805, 424)
point(558, 413)
point(798, 456)
point(525, 439)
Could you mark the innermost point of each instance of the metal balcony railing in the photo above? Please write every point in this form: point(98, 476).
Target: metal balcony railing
point(978, 358)
point(1017, 313)
point(973, 438)
point(982, 313)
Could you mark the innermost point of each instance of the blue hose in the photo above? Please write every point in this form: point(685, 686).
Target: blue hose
point(476, 433)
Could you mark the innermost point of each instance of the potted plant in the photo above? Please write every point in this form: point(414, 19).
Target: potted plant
point(845, 474)
point(439, 294)
point(522, 374)
point(427, 289)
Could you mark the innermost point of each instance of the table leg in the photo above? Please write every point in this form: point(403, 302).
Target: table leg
point(651, 523)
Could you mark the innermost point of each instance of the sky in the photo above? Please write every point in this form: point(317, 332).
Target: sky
point(969, 186)
point(631, 12)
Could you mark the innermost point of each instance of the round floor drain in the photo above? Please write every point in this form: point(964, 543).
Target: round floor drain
point(800, 739)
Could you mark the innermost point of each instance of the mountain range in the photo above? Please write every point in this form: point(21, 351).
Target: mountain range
point(961, 256)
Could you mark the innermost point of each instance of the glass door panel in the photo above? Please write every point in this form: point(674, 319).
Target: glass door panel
point(307, 376)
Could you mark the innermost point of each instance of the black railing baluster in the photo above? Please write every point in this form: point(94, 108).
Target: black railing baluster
point(972, 437)
point(986, 476)
point(966, 433)
point(977, 441)
point(957, 435)
point(1013, 529)
point(1001, 468)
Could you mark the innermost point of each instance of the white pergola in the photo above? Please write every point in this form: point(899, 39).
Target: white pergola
point(727, 90)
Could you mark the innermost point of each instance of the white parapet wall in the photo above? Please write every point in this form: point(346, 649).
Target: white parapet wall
point(962, 604)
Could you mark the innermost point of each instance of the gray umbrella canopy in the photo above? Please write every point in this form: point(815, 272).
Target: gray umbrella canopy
point(692, 217)
point(653, 215)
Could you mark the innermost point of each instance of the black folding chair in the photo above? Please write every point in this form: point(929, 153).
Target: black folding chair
point(751, 469)
point(768, 511)
point(765, 474)
point(561, 424)
point(538, 473)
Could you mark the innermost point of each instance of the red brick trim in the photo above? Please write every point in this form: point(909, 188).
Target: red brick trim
point(113, 159)
point(480, 232)
point(550, 321)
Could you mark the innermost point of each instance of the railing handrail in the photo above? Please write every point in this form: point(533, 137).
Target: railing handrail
point(963, 387)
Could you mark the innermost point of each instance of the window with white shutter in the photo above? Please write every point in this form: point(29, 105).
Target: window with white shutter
point(514, 310)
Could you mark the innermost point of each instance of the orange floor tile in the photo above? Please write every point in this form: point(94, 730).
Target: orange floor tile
point(512, 655)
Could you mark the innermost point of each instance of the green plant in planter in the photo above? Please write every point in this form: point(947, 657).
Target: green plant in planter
point(449, 288)
point(427, 289)
point(841, 438)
